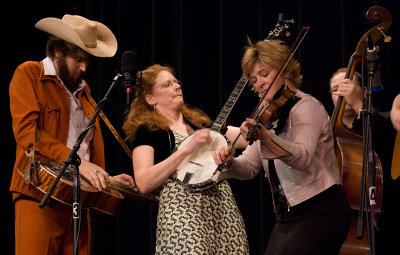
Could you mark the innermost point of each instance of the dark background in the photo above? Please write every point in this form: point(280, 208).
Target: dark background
point(203, 41)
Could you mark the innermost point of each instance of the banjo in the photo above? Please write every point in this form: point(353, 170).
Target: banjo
point(198, 170)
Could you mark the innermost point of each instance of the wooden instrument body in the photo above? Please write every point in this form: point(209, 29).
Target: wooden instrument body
point(353, 245)
point(349, 153)
point(105, 201)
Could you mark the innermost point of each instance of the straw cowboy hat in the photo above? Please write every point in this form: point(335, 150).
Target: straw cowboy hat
point(91, 36)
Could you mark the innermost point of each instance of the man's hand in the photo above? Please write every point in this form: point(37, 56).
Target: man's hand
point(126, 180)
point(97, 176)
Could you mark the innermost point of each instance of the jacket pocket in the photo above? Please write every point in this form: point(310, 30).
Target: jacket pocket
point(50, 116)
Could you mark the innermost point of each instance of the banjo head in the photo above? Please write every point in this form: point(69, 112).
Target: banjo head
point(197, 169)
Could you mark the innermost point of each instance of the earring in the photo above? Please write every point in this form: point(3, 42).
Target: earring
point(154, 110)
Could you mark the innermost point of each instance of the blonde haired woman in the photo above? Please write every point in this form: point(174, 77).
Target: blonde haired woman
point(297, 153)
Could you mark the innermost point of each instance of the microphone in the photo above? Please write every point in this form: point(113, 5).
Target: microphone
point(373, 65)
point(128, 70)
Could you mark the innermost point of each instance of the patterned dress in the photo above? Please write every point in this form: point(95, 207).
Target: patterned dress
point(206, 222)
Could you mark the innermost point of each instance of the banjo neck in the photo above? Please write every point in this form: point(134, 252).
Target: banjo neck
point(226, 110)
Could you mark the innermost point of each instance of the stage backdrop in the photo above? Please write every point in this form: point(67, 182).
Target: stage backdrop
point(203, 41)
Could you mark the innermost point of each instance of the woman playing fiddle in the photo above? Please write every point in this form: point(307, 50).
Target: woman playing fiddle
point(297, 152)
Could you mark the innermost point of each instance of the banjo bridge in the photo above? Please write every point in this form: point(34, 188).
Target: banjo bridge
point(195, 163)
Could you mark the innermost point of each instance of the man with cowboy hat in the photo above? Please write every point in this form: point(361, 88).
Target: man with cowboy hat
point(50, 107)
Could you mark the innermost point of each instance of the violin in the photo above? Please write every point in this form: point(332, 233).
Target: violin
point(270, 112)
point(349, 147)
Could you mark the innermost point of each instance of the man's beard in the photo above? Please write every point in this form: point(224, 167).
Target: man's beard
point(70, 79)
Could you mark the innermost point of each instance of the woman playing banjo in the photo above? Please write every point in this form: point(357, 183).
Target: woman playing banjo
point(205, 222)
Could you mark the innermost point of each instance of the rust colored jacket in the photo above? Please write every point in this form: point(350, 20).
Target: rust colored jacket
point(40, 101)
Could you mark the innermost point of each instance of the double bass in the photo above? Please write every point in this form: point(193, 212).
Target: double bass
point(349, 148)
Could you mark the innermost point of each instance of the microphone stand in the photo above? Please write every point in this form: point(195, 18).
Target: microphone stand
point(73, 159)
point(368, 155)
